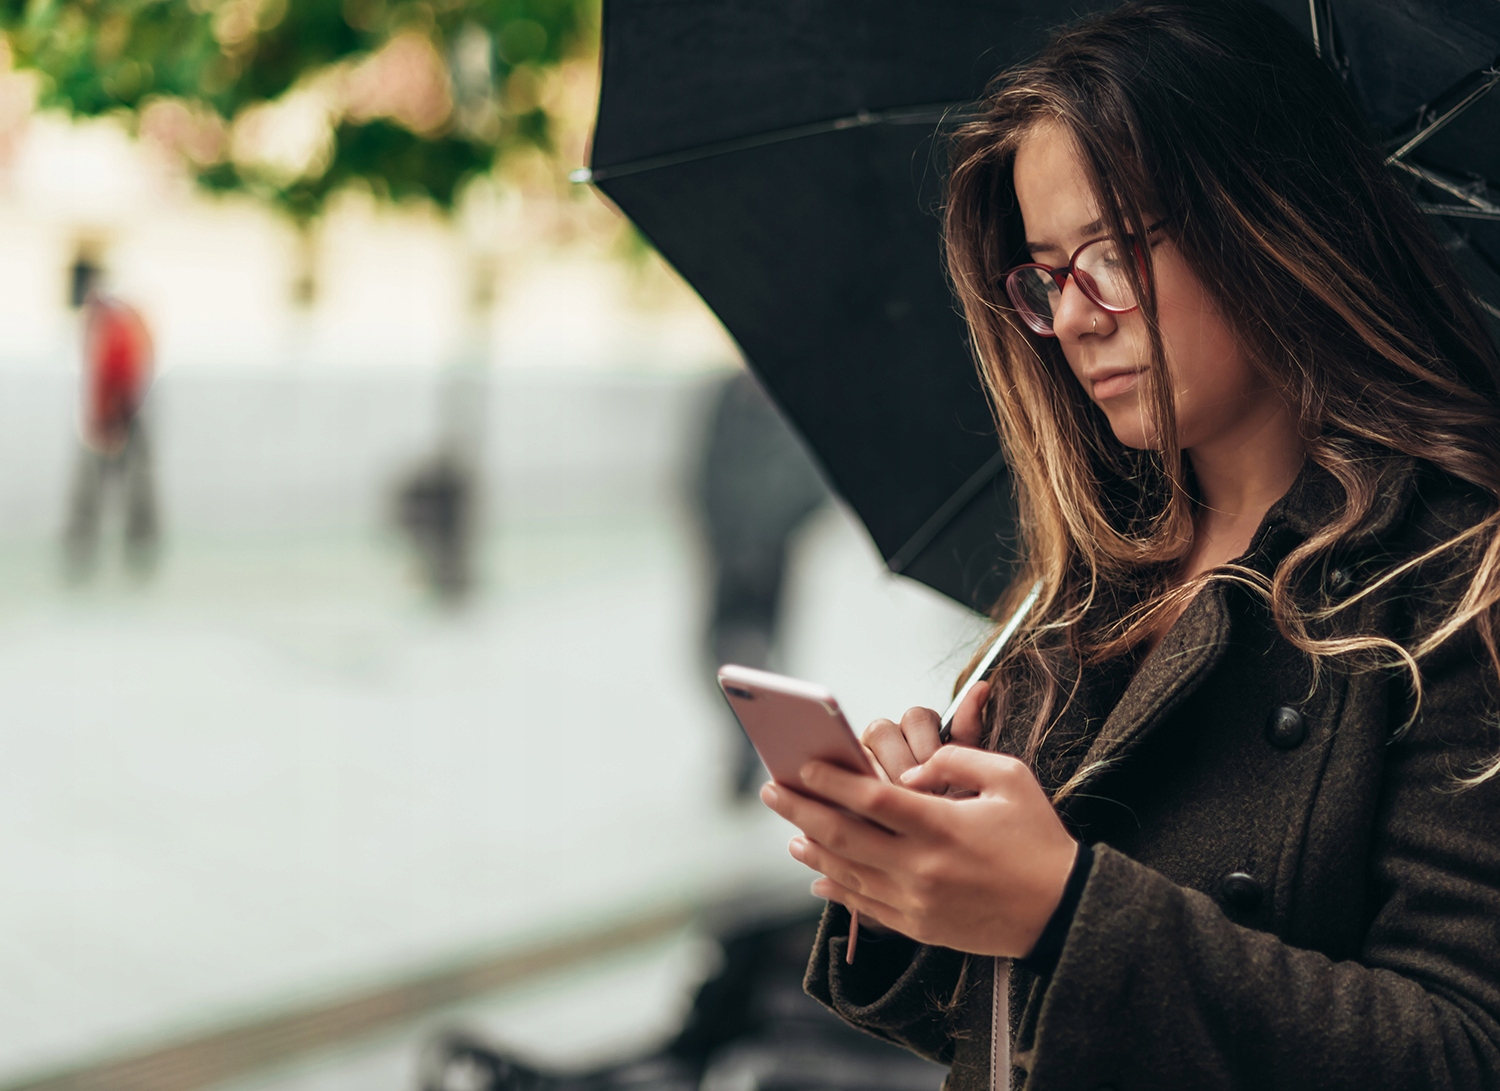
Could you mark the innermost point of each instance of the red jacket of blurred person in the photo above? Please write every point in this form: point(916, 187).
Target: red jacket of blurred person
point(117, 354)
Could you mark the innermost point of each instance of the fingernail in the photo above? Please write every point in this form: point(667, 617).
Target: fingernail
point(798, 848)
point(910, 774)
point(769, 795)
point(820, 888)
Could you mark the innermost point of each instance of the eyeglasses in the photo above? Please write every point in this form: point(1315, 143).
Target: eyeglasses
point(1097, 267)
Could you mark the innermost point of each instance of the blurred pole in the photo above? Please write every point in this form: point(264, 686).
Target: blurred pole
point(437, 502)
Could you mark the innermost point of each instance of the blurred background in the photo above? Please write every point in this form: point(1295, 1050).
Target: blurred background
point(373, 508)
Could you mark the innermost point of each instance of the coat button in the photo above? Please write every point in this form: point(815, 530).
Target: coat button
point(1241, 891)
point(1286, 728)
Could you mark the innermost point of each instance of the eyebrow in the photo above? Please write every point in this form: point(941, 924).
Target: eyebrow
point(1086, 230)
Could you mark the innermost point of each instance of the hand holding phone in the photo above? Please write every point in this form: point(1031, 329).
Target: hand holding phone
point(790, 723)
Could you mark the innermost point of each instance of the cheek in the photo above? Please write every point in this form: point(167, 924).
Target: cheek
point(1210, 374)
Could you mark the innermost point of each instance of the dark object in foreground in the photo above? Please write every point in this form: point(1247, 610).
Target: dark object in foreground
point(752, 1028)
point(786, 157)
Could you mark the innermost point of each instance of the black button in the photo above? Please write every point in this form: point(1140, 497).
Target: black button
point(1340, 582)
point(1286, 728)
point(1241, 891)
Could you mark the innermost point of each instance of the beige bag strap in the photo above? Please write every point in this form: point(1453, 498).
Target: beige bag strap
point(1000, 1028)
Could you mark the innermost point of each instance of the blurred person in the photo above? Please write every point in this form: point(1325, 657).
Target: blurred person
point(115, 450)
point(1227, 814)
point(434, 505)
point(437, 502)
point(755, 487)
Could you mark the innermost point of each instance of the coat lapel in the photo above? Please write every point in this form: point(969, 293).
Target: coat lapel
point(1174, 669)
point(1198, 640)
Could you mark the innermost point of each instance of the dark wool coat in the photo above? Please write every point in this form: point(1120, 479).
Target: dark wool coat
point(1287, 892)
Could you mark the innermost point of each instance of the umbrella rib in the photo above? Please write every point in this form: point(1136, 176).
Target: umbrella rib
point(901, 115)
point(1423, 134)
point(1466, 194)
point(1460, 212)
point(939, 519)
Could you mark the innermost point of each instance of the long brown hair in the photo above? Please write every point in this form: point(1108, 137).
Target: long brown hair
point(1219, 120)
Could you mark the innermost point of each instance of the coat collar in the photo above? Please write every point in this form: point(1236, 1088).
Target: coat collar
point(1316, 496)
point(1199, 638)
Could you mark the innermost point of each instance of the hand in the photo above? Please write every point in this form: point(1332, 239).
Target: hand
point(982, 874)
point(896, 748)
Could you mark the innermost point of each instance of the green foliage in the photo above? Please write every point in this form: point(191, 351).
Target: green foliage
point(229, 56)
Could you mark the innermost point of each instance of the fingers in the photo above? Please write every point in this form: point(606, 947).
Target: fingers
point(845, 835)
point(862, 879)
point(891, 808)
point(920, 726)
point(867, 907)
point(962, 769)
point(887, 745)
point(968, 721)
point(898, 747)
point(877, 764)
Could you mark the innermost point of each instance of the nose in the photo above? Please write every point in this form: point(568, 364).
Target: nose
point(1078, 316)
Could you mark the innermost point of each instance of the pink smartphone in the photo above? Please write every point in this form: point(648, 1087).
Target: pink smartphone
point(791, 722)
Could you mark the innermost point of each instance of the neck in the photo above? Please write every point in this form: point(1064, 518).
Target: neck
point(1241, 472)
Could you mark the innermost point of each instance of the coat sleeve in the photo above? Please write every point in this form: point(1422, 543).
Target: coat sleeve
point(1156, 987)
point(897, 989)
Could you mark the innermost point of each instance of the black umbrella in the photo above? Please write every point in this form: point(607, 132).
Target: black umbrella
point(785, 157)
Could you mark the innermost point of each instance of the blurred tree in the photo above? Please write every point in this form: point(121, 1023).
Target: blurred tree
point(292, 99)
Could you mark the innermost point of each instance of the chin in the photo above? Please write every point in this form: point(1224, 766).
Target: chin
point(1130, 430)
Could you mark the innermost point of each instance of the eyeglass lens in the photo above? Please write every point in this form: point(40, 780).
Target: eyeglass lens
point(1099, 271)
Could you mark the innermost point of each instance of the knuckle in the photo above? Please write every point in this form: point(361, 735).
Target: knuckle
point(919, 908)
point(881, 798)
point(919, 905)
point(923, 879)
point(878, 731)
point(916, 716)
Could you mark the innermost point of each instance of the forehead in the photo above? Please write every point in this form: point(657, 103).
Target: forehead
point(1058, 206)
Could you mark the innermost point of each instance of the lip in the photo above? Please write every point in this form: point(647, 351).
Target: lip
point(1111, 384)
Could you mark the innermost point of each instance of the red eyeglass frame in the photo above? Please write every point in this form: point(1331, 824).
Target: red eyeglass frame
point(1061, 273)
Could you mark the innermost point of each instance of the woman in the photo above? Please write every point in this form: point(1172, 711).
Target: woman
point(1230, 801)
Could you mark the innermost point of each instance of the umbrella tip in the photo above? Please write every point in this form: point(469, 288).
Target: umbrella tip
point(581, 177)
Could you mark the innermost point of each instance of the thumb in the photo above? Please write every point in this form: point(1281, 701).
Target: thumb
point(968, 721)
point(957, 769)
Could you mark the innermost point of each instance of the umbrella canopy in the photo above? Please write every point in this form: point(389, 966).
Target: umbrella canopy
point(786, 157)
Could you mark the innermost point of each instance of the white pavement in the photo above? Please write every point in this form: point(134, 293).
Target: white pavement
point(278, 773)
